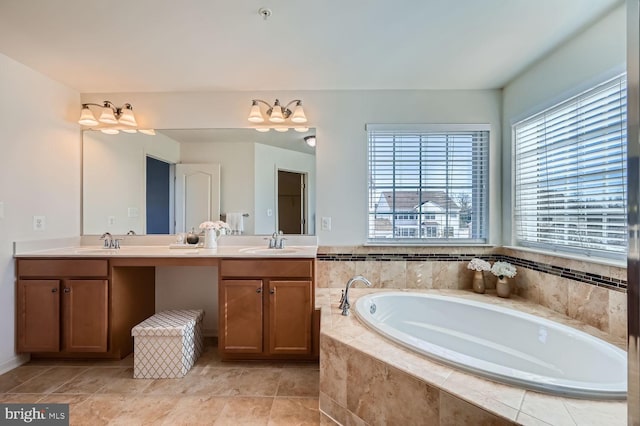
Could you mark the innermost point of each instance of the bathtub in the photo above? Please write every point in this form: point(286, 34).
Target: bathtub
point(498, 343)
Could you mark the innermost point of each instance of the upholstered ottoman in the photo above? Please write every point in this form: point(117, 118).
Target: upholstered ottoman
point(167, 344)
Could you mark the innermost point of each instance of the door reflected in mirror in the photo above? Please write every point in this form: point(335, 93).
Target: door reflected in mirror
point(133, 182)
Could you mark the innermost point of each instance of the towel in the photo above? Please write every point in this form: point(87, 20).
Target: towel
point(236, 223)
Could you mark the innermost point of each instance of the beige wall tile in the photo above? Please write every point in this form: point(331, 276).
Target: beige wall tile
point(447, 275)
point(393, 274)
point(589, 304)
point(618, 314)
point(554, 294)
point(419, 274)
point(334, 274)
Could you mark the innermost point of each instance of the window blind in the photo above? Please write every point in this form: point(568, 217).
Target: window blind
point(428, 185)
point(570, 174)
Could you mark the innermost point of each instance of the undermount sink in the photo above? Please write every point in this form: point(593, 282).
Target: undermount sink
point(96, 251)
point(268, 251)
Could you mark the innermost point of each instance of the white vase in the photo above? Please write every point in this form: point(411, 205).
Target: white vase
point(210, 239)
point(503, 288)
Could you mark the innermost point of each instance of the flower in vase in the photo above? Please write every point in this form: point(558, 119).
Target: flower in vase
point(479, 265)
point(503, 269)
point(219, 226)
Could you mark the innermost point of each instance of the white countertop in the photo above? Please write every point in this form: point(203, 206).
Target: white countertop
point(240, 247)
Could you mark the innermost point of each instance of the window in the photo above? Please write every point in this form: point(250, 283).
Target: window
point(426, 179)
point(570, 174)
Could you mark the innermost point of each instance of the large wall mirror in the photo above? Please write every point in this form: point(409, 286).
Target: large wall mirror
point(145, 184)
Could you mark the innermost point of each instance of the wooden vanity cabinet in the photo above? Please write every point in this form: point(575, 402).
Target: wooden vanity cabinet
point(266, 309)
point(63, 313)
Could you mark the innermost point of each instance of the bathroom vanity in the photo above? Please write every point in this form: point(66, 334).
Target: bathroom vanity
point(81, 302)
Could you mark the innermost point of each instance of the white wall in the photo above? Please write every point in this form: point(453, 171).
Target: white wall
point(269, 160)
point(592, 56)
point(341, 153)
point(39, 174)
point(114, 179)
point(236, 173)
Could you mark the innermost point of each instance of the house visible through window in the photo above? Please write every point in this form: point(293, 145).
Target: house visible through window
point(570, 174)
point(428, 182)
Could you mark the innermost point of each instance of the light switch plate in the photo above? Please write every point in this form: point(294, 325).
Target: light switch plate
point(111, 220)
point(1, 210)
point(38, 223)
point(133, 212)
point(326, 223)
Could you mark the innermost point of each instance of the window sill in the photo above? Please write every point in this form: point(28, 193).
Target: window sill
point(596, 260)
point(423, 244)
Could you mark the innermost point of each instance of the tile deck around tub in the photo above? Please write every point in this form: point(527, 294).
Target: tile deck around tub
point(462, 396)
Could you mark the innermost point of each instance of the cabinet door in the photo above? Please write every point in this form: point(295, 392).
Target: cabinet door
point(38, 316)
point(241, 316)
point(290, 312)
point(85, 313)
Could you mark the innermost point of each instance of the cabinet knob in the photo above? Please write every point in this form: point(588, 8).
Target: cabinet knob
point(67, 290)
point(54, 290)
point(258, 290)
point(272, 291)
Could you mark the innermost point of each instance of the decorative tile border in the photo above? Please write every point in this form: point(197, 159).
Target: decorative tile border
point(572, 274)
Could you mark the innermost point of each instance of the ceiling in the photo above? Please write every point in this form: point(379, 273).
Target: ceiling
point(206, 45)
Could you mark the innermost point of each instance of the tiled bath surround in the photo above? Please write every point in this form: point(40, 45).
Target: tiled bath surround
point(592, 293)
point(365, 379)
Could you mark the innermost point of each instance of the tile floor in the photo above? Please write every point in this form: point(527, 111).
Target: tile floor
point(212, 393)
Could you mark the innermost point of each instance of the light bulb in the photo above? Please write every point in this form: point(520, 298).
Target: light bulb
point(262, 129)
point(126, 116)
point(298, 114)
point(281, 129)
point(87, 118)
point(107, 116)
point(255, 115)
point(110, 131)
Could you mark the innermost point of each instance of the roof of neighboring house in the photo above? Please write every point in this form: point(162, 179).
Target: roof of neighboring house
point(409, 200)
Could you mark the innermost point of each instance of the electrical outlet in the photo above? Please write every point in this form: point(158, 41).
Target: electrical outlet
point(111, 220)
point(269, 212)
point(325, 224)
point(133, 212)
point(38, 223)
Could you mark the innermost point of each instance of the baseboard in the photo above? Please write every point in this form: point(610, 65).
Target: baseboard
point(14, 362)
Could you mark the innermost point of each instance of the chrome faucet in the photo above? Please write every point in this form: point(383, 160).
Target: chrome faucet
point(344, 300)
point(109, 241)
point(276, 241)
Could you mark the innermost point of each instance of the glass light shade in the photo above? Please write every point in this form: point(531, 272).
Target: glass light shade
point(110, 131)
point(149, 132)
point(276, 115)
point(298, 114)
point(281, 129)
point(311, 141)
point(301, 129)
point(87, 118)
point(127, 118)
point(255, 115)
point(129, 130)
point(107, 116)
point(262, 129)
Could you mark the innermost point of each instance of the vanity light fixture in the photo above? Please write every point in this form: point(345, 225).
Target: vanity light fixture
point(112, 118)
point(310, 140)
point(277, 113)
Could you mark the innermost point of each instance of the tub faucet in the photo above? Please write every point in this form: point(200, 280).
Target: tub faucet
point(344, 300)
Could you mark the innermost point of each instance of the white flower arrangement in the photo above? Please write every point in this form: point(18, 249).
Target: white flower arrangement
point(479, 265)
point(218, 225)
point(503, 269)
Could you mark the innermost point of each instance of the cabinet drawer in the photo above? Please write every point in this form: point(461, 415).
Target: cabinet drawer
point(262, 268)
point(62, 268)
